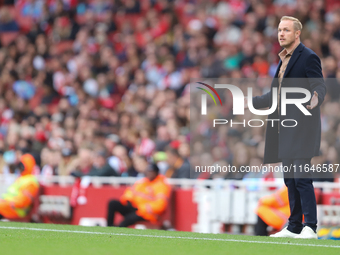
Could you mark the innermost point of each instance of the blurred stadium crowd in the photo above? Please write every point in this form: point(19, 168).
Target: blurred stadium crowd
point(100, 87)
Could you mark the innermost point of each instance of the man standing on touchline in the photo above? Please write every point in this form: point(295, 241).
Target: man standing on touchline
point(295, 146)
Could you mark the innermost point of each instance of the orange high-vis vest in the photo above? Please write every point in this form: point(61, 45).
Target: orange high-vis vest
point(18, 199)
point(149, 197)
point(274, 209)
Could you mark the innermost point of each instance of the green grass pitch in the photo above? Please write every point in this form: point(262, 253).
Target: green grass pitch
point(25, 238)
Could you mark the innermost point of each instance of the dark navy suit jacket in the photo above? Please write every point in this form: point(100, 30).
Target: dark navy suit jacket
point(302, 141)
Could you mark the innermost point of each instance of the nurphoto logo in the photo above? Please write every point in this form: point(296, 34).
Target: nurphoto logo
point(239, 103)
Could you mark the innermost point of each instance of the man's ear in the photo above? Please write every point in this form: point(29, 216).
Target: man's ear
point(298, 33)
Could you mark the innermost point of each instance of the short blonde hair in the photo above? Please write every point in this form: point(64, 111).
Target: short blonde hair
point(297, 23)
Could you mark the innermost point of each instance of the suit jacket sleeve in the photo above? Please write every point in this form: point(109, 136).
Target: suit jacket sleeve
point(314, 74)
point(262, 101)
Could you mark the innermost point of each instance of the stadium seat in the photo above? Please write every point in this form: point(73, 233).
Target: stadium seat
point(25, 23)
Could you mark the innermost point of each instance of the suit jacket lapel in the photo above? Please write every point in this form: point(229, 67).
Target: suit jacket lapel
point(275, 82)
point(294, 57)
point(278, 69)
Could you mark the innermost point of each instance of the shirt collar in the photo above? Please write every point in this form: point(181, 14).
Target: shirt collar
point(284, 53)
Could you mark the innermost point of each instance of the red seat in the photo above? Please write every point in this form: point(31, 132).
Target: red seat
point(25, 23)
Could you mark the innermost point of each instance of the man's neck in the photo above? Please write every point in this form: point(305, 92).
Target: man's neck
point(293, 46)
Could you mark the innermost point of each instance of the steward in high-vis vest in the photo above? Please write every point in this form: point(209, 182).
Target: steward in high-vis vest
point(146, 200)
point(273, 210)
point(17, 201)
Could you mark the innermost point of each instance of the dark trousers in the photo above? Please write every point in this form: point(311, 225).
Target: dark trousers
point(128, 211)
point(301, 195)
point(261, 227)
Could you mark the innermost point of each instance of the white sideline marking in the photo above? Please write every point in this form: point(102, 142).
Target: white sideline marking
point(169, 237)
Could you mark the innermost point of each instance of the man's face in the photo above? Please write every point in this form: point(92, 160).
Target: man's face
point(170, 158)
point(286, 33)
point(86, 157)
point(140, 164)
point(151, 175)
point(99, 161)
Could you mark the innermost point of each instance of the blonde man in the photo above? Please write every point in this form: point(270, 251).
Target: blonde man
point(295, 146)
